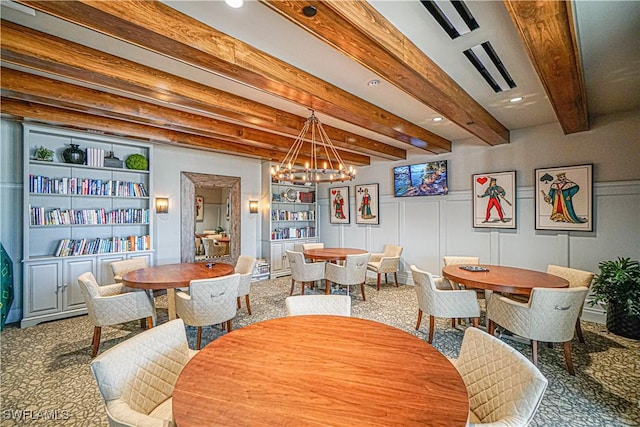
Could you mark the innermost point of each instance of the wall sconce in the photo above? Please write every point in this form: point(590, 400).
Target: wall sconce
point(253, 206)
point(162, 205)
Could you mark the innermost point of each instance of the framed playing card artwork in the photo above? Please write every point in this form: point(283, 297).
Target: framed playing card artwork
point(564, 198)
point(367, 204)
point(494, 200)
point(339, 205)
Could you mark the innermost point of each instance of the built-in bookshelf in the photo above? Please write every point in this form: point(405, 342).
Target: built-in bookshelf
point(80, 217)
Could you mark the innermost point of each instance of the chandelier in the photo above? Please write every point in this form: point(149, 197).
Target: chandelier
point(323, 163)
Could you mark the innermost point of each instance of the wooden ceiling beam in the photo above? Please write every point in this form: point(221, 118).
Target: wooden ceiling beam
point(163, 30)
point(548, 33)
point(29, 87)
point(28, 48)
point(372, 41)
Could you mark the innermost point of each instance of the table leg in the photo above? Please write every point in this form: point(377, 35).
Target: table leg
point(153, 304)
point(171, 303)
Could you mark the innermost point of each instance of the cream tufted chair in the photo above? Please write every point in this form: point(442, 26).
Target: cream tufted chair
point(576, 278)
point(504, 388)
point(120, 268)
point(386, 262)
point(307, 246)
point(302, 271)
point(110, 305)
point(136, 377)
point(353, 272)
point(442, 303)
point(244, 267)
point(337, 305)
point(459, 260)
point(549, 316)
point(212, 249)
point(209, 302)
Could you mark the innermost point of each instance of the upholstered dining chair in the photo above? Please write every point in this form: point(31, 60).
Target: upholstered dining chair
point(244, 267)
point(337, 305)
point(550, 316)
point(308, 246)
point(386, 262)
point(436, 302)
point(111, 305)
point(120, 268)
point(577, 278)
point(136, 377)
point(505, 389)
point(462, 260)
point(304, 272)
point(212, 248)
point(352, 273)
point(209, 302)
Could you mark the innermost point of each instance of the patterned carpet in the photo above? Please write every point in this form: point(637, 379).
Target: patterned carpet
point(45, 377)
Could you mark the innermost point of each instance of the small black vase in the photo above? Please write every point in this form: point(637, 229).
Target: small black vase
point(73, 155)
point(620, 323)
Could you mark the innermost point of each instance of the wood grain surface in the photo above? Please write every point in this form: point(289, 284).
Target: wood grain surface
point(504, 279)
point(319, 371)
point(332, 254)
point(171, 276)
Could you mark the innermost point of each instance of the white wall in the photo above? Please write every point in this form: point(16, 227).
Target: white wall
point(431, 227)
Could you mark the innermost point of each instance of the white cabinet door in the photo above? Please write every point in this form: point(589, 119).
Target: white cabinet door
point(278, 256)
point(72, 268)
point(43, 288)
point(105, 274)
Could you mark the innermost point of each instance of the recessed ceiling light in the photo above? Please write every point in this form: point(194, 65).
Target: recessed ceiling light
point(516, 99)
point(373, 83)
point(234, 3)
point(437, 119)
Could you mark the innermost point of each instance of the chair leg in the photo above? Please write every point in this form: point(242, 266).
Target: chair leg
point(95, 344)
point(293, 283)
point(239, 305)
point(246, 301)
point(534, 352)
point(149, 322)
point(198, 337)
point(386, 279)
point(302, 285)
point(229, 325)
point(327, 287)
point(378, 281)
point(432, 320)
point(419, 319)
point(362, 289)
point(475, 321)
point(568, 358)
point(491, 327)
point(395, 276)
point(453, 322)
point(579, 331)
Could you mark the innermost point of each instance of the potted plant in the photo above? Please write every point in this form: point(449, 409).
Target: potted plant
point(44, 154)
point(618, 285)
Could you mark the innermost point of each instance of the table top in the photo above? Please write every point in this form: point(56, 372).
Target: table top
point(504, 279)
point(332, 254)
point(174, 275)
point(319, 370)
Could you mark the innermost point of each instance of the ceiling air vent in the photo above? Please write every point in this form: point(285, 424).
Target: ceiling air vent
point(453, 16)
point(487, 62)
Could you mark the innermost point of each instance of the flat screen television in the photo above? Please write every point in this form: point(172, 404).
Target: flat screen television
point(423, 179)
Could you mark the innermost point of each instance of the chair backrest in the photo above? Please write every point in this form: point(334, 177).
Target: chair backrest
point(356, 269)
point(297, 264)
point(392, 251)
point(503, 386)
point(143, 370)
point(575, 277)
point(211, 248)
point(337, 305)
point(88, 287)
point(307, 246)
point(461, 260)
point(244, 267)
point(554, 313)
point(120, 268)
point(425, 289)
point(213, 301)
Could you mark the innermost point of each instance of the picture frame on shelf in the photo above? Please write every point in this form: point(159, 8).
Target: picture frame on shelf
point(339, 205)
point(564, 198)
point(199, 208)
point(368, 204)
point(494, 199)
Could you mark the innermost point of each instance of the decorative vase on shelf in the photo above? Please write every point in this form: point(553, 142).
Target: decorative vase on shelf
point(73, 155)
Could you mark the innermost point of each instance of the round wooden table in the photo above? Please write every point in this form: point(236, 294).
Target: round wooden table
point(172, 276)
point(503, 279)
point(332, 254)
point(319, 370)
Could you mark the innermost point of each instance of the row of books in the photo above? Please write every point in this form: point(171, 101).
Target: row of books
point(76, 247)
point(88, 216)
point(293, 233)
point(284, 215)
point(86, 186)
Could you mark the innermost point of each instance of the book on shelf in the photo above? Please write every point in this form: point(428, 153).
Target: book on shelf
point(76, 247)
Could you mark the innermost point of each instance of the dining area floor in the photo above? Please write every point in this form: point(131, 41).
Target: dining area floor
point(45, 377)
